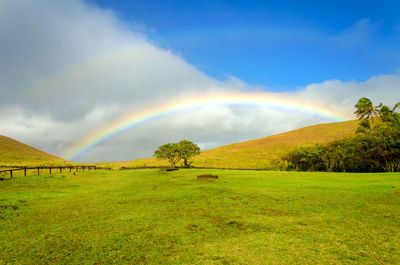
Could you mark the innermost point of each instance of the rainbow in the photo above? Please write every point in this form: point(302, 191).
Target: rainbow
point(136, 118)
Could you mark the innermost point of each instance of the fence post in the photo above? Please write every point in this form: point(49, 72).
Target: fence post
point(11, 174)
point(50, 170)
point(38, 171)
point(60, 170)
point(25, 171)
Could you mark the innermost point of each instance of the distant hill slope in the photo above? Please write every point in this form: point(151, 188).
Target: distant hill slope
point(13, 152)
point(261, 153)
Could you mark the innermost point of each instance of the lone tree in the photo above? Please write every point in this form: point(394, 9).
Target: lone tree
point(188, 149)
point(170, 151)
point(174, 152)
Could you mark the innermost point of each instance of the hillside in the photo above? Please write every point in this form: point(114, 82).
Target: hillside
point(13, 152)
point(261, 153)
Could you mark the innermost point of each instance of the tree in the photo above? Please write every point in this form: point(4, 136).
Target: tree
point(386, 114)
point(170, 151)
point(174, 152)
point(188, 150)
point(309, 158)
point(365, 109)
point(374, 149)
point(364, 126)
point(396, 107)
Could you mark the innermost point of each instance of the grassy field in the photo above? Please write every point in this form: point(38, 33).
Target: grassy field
point(260, 153)
point(244, 217)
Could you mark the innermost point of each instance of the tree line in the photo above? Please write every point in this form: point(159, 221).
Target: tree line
point(374, 148)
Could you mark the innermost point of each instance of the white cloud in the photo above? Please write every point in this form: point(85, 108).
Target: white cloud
point(379, 88)
point(355, 35)
point(69, 68)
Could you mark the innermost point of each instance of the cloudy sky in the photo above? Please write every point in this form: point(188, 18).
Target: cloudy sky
point(70, 68)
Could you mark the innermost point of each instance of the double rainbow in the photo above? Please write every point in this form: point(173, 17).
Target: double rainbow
point(268, 100)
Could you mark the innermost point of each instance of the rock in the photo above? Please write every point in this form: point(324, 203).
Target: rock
point(207, 176)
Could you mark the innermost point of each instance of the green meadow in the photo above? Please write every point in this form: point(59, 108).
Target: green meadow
point(244, 217)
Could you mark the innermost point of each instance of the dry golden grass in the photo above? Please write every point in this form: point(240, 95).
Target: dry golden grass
point(15, 153)
point(263, 152)
point(257, 154)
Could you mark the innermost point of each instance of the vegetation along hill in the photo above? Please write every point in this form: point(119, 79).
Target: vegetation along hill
point(13, 152)
point(262, 153)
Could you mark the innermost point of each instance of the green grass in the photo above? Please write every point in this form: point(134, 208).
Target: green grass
point(244, 217)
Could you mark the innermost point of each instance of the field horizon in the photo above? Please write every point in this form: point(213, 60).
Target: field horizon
point(253, 154)
point(262, 153)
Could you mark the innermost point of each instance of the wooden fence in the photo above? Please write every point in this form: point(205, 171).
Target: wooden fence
point(83, 168)
point(51, 169)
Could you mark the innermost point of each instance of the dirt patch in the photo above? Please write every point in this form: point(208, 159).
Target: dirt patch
point(193, 227)
point(9, 206)
point(235, 224)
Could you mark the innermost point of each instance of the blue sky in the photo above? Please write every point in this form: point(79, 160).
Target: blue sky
point(282, 45)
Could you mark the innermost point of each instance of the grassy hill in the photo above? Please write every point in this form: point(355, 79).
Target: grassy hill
point(261, 153)
point(13, 152)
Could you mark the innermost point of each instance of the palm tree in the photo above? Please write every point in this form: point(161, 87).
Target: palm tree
point(365, 109)
point(396, 106)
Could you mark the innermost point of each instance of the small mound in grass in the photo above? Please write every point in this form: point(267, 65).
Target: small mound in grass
point(207, 176)
point(169, 169)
